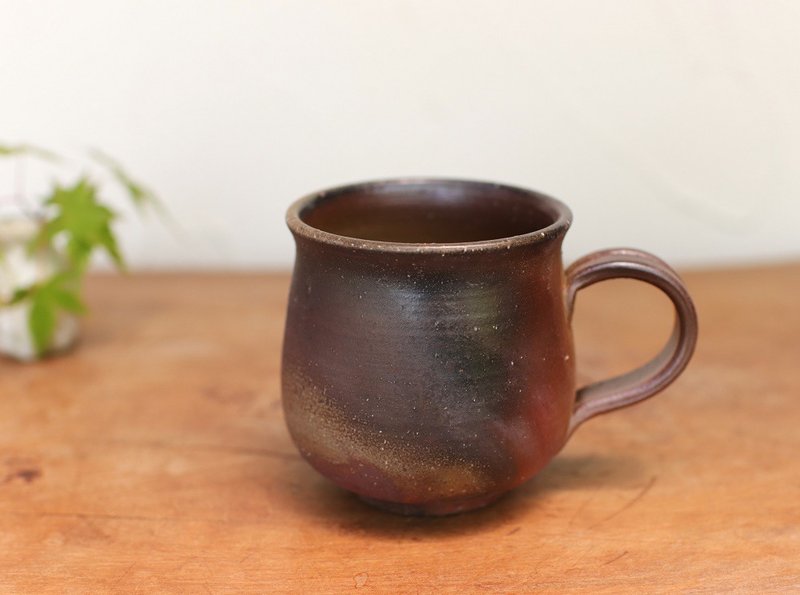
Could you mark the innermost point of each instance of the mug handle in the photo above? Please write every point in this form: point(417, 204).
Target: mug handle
point(662, 370)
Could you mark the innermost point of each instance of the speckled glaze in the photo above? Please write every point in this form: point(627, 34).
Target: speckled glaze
point(428, 363)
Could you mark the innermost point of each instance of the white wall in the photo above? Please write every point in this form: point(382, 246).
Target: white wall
point(671, 126)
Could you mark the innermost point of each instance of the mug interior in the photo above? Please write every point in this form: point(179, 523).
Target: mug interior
point(430, 211)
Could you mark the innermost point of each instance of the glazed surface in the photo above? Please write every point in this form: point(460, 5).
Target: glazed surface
point(428, 379)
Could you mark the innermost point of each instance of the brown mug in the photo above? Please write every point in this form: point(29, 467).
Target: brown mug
point(428, 363)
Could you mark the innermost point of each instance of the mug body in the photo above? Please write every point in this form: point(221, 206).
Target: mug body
point(428, 363)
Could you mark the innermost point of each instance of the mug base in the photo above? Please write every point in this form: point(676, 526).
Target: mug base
point(444, 508)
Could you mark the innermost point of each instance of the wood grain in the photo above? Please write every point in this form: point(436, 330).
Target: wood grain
point(154, 459)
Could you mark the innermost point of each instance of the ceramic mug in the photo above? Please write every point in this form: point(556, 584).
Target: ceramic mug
point(428, 363)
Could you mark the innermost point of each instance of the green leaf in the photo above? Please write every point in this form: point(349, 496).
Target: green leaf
point(61, 292)
point(83, 221)
point(139, 194)
point(19, 295)
point(68, 300)
point(79, 251)
point(80, 212)
point(42, 320)
point(109, 242)
point(15, 150)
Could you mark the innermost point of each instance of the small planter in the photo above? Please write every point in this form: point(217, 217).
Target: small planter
point(19, 269)
point(46, 250)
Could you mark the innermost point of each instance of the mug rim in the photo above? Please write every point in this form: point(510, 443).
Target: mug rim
point(298, 227)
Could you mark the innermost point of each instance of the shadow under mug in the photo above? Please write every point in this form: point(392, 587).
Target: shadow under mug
point(428, 363)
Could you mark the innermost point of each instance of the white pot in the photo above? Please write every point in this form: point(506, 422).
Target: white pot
point(19, 269)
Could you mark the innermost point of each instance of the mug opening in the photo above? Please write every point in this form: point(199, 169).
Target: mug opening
point(416, 214)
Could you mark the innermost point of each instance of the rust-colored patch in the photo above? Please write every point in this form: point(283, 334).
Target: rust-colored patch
point(368, 461)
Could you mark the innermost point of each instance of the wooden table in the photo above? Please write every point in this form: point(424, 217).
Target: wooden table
point(154, 458)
